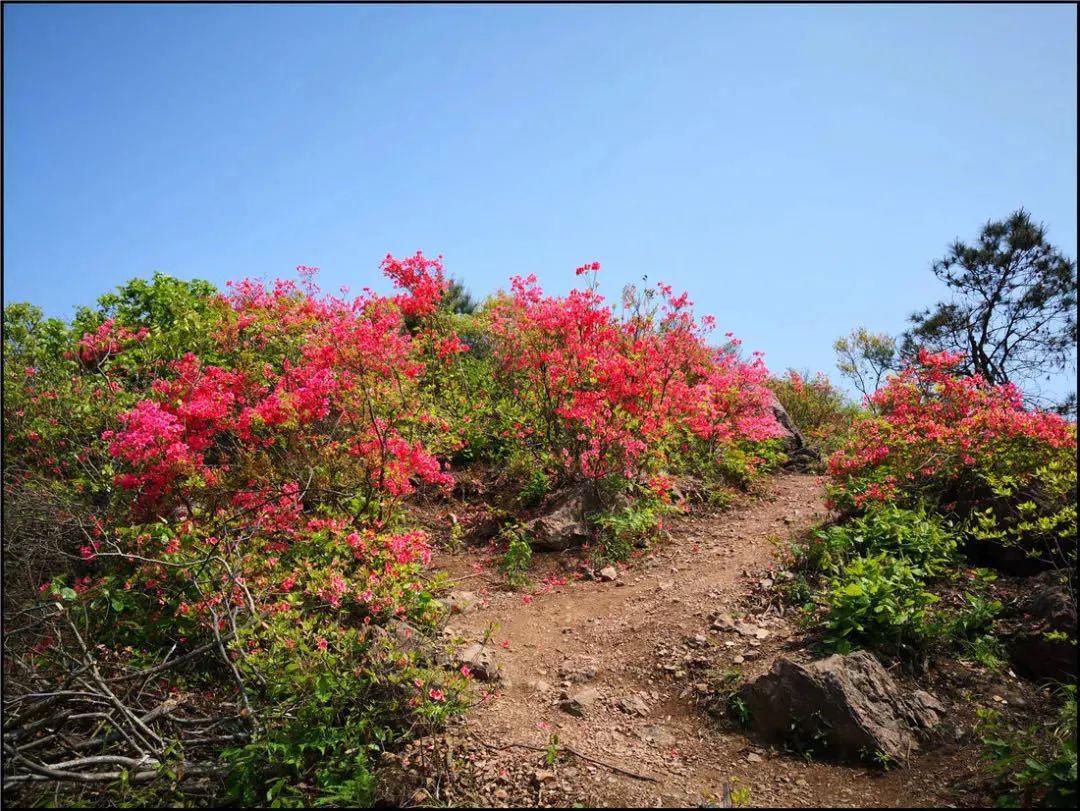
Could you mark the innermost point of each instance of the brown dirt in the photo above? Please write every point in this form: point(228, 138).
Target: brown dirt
point(647, 637)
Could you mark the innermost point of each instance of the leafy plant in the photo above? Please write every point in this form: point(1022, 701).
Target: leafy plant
point(880, 602)
point(1034, 766)
point(820, 410)
point(972, 451)
point(516, 559)
point(535, 489)
point(633, 526)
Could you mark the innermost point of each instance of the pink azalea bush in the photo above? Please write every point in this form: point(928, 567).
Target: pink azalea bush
point(600, 393)
point(968, 449)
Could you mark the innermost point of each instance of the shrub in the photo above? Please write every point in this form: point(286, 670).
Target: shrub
point(969, 450)
point(204, 496)
point(516, 558)
point(535, 489)
point(594, 394)
point(880, 602)
point(923, 540)
point(241, 502)
point(1034, 766)
point(630, 527)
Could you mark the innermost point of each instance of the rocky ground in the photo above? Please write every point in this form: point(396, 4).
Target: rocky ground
point(603, 692)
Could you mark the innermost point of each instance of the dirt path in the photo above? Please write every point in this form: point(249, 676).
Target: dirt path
point(636, 653)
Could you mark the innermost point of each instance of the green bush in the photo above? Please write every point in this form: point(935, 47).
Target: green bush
point(633, 526)
point(516, 559)
point(923, 540)
point(1036, 516)
point(879, 602)
point(1005, 473)
point(535, 489)
point(821, 411)
point(1034, 766)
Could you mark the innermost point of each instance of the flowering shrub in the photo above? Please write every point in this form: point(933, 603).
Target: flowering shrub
point(967, 449)
point(599, 394)
point(245, 501)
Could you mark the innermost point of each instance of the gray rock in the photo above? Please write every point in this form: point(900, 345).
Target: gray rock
point(849, 705)
point(609, 573)
point(800, 455)
point(481, 661)
point(581, 702)
point(565, 520)
point(632, 705)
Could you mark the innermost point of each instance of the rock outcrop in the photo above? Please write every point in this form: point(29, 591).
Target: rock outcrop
point(800, 455)
point(564, 522)
point(847, 707)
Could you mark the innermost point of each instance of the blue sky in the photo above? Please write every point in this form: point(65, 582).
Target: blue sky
point(795, 168)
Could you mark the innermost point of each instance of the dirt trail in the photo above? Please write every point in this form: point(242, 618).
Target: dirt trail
point(643, 647)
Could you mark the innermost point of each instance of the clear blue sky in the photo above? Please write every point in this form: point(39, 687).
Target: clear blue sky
point(795, 168)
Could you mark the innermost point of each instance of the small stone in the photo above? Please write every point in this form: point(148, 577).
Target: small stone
point(481, 661)
point(580, 702)
point(633, 705)
point(753, 757)
point(609, 573)
point(461, 602)
point(660, 736)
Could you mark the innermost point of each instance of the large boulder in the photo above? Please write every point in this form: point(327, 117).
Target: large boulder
point(800, 455)
point(849, 706)
point(565, 520)
point(1042, 644)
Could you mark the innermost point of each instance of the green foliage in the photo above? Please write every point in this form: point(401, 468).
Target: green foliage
point(1034, 514)
point(866, 358)
point(1034, 766)
point(516, 559)
point(535, 489)
point(881, 602)
point(1012, 309)
point(821, 411)
point(633, 526)
point(879, 569)
point(744, 462)
point(986, 650)
point(921, 539)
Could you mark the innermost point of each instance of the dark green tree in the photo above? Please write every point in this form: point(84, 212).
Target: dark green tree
point(457, 299)
point(1013, 307)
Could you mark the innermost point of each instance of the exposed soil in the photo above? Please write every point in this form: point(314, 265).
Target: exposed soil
point(644, 651)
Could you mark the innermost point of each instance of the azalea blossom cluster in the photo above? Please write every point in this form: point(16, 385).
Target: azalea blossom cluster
point(284, 456)
point(615, 395)
point(937, 434)
point(108, 339)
